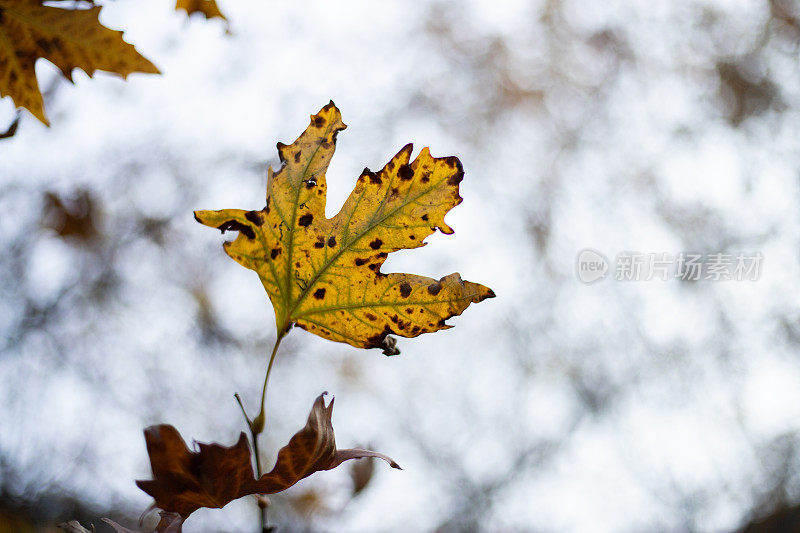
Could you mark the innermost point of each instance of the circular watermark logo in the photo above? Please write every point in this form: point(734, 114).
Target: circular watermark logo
point(591, 265)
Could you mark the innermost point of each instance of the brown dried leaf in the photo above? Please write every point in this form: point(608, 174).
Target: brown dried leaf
point(169, 523)
point(11, 130)
point(361, 474)
point(311, 449)
point(184, 480)
point(73, 216)
point(208, 8)
point(73, 526)
point(310, 503)
point(215, 475)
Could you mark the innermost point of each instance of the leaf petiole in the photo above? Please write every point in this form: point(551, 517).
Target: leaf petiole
point(257, 425)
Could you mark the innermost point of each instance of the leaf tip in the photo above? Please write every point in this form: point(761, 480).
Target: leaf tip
point(39, 114)
point(404, 154)
point(281, 148)
point(444, 228)
point(321, 400)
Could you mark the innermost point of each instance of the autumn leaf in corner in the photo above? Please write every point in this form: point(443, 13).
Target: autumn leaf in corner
point(68, 38)
point(324, 275)
point(208, 8)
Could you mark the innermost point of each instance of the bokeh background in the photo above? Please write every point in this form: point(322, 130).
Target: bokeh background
point(557, 406)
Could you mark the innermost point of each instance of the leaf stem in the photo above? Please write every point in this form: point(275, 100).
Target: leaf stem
point(257, 427)
point(262, 514)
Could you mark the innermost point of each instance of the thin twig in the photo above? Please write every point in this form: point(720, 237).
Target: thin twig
point(256, 427)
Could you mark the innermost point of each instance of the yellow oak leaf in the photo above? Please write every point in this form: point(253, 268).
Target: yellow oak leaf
point(208, 8)
point(324, 275)
point(68, 38)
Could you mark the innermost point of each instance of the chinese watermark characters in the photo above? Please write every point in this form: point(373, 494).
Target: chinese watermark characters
point(592, 266)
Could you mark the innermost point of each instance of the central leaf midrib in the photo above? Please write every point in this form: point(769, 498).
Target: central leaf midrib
point(290, 244)
point(344, 248)
point(398, 304)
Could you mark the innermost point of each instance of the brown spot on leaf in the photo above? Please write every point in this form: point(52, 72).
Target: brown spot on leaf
point(275, 252)
point(235, 225)
point(455, 179)
point(434, 288)
point(360, 262)
point(374, 267)
point(44, 45)
point(382, 255)
point(382, 340)
point(305, 220)
point(415, 330)
point(376, 244)
point(319, 244)
point(319, 121)
point(371, 317)
point(332, 241)
point(319, 294)
point(375, 341)
point(425, 179)
point(405, 290)
point(405, 172)
point(297, 156)
point(254, 217)
point(409, 311)
point(425, 217)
